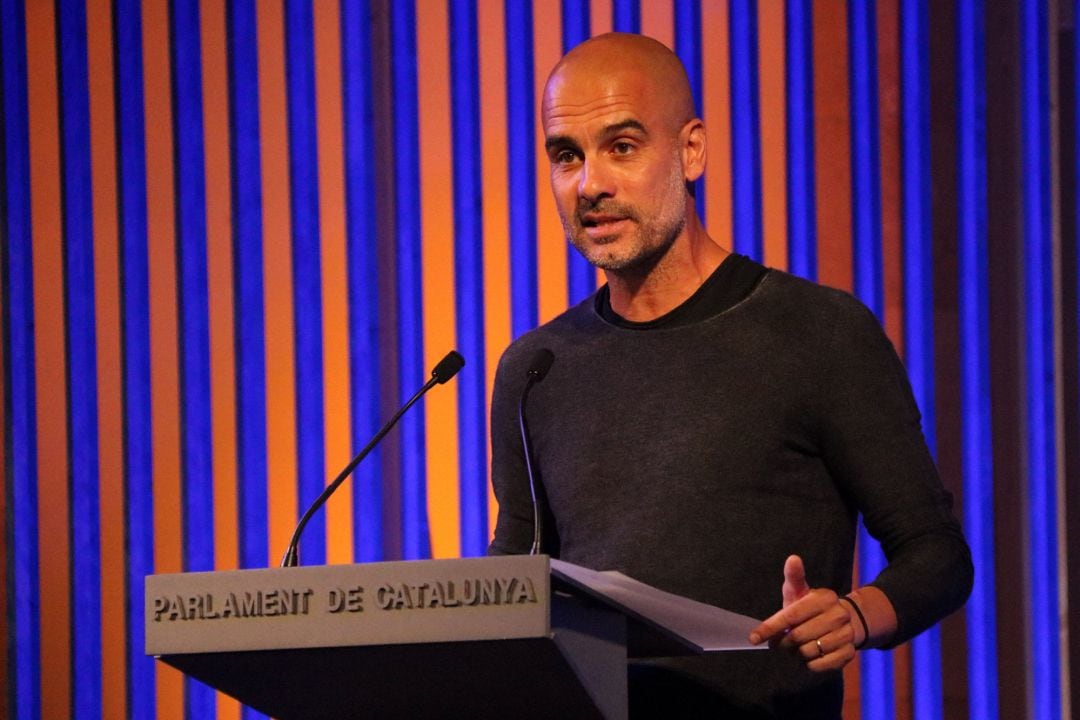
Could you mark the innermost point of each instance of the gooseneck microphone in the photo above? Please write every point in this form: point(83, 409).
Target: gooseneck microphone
point(447, 368)
point(538, 368)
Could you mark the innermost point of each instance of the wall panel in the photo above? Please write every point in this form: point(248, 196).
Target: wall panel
point(237, 236)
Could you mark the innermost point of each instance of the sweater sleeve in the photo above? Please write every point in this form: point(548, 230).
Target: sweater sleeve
point(872, 442)
point(509, 479)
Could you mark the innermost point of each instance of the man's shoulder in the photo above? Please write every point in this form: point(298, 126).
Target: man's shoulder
point(571, 327)
point(805, 302)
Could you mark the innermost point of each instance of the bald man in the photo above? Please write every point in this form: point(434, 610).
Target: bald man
point(710, 426)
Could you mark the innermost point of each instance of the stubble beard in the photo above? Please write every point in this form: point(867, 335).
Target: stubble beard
point(649, 240)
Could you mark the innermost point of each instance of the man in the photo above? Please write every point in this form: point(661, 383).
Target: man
point(709, 424)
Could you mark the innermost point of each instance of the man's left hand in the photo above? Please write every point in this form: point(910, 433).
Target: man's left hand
point(812, 622)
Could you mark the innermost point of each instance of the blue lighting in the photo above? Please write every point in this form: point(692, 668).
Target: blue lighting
point(919, 292)
point(521, 139)
point(801, 197)
point(193, 305)
point(1042, 585)
point(135, 312)
point(745, 130)
point(416, 540)
point(876, 668)
point(688, 48)
point(976, 434)
point(469, 277)
point(247, 245)
point(362, 242)
point(580, 275)
point(20, 382)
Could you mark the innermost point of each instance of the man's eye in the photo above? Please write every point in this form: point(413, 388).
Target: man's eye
point(623, 148)
point(564, 157)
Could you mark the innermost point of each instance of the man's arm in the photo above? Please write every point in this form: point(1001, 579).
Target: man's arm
point(870, 439)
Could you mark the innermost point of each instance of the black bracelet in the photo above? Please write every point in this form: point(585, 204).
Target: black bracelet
point(862, 619)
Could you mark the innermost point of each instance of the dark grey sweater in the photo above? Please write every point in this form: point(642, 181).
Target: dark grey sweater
point(697, 458)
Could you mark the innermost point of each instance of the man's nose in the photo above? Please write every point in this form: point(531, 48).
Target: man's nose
point(595, 181)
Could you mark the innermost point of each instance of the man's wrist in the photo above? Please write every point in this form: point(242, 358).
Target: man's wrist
point(858, 620)
point(877, 611)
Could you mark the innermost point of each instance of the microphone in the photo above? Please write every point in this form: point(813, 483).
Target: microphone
point(538, 369)
point(447, 368)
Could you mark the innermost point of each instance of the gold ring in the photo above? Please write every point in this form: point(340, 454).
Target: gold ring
point(820, 649)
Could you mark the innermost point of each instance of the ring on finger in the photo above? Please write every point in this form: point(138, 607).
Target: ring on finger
point(820, 648)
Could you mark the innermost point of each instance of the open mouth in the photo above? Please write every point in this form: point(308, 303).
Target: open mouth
point(598, 226)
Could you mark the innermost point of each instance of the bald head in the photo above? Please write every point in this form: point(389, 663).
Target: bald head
point(618, 63)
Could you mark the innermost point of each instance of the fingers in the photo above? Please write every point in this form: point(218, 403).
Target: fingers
point(816, 626)
point(809, 606)
point(830, 616)
point(830, 652)
point(812, 622)
point(795, 585)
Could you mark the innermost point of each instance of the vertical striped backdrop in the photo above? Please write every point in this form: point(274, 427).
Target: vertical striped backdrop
point(236, 235)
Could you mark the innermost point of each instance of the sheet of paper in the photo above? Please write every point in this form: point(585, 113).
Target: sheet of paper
point(710, 628)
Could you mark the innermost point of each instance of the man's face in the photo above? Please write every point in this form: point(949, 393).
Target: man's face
point(616, 169)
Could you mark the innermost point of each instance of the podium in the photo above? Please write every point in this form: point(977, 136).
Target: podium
point(496, 637)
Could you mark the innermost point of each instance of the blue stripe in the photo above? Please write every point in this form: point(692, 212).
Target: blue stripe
point(980, 613)
point(135, 303)
point(247, 246)
point(575, 23)
point(194, 315)
point(416, 542)
point(626, 16)
point(1045, 679)
point(24, 644)
point(745, 129)
point(469, 276)
point(580, 275)
point(799, 101)
point(919, 291)
point(78, 222)
point(876, 671)
point(521, 139)
point(362, 272)
point(306, 270)
point(688, 48)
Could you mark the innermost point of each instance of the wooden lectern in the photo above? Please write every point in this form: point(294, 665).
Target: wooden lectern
point(497, 637)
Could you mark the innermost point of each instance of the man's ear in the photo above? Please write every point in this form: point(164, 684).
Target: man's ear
point(694, 145)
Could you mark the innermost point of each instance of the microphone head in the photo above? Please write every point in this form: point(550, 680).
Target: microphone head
point(540, 364)
point(448, 367)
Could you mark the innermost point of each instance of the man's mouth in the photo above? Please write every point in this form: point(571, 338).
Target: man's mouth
point(598, 226)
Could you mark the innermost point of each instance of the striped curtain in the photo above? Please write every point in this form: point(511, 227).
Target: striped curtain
point(237, 235)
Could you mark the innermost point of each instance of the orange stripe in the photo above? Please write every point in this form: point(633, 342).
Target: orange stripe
point(832, 145)
point(336, 388)
point(888, 15)
point(492, 58)
point(773, 133)
point(600, 17)
point(110, 392)
point(277, 269)
point(219, 273)
point(832, 170)
point(716, 105)
point(51, 388)
point(164, 354)
point(551, 241)
point(658, 21)
point(437, 253)
point(888, 36)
